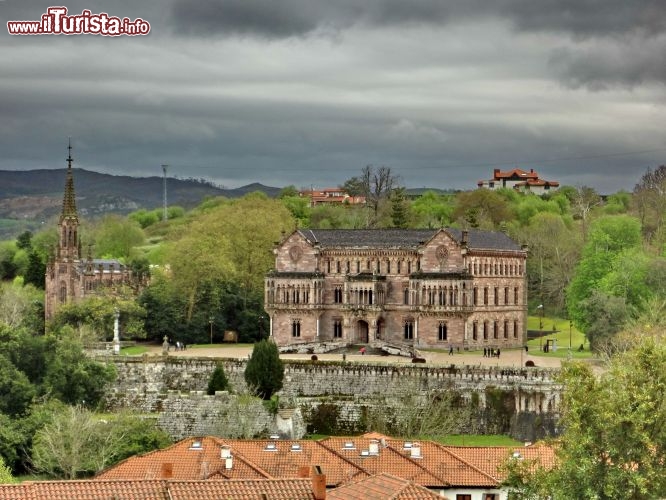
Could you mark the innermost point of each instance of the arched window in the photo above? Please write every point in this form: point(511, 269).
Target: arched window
point(442, 333)
point(296, 328)
point(409, 329)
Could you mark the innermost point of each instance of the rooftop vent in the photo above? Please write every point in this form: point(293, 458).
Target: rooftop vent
point(516, 454)
point(374, 447)
point(196, 445)
point(365, 453)
point(415, 451)
point(296, 447)
point(271, 447)
point(407, 445)
point(349, 445)
point(225, 451)
point(228, 463)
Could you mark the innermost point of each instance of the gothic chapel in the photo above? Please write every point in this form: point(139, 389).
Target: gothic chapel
point(70, 278)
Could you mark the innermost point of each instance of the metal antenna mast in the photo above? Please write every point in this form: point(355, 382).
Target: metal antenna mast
point(164, 196)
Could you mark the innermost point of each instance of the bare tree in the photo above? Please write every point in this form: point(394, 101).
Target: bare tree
point(377, 184)
point(650, 201)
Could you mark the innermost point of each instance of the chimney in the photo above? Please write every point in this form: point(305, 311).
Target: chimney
point(465, 236)
point(496, 173)
point(229, 463)
point(167, 471)
point(225, 451)
point(374, 447)
point(318, 483)
point(415, 452)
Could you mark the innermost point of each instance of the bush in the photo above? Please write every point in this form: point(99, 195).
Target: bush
point(264, 371)
point(218, 380)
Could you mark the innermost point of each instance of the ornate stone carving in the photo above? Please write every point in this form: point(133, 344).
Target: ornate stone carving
point(295, 253)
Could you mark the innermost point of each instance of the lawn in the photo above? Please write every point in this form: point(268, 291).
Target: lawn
point(456, 439)
point(135, 350)
point(477, 440)
point(561, 336)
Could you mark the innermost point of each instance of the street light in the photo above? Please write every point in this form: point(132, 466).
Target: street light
point(540, 309)
point(210, 322)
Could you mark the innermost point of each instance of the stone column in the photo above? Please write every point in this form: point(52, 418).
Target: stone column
point(116, 332)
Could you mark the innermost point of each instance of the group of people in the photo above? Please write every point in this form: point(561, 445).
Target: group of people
point(491, 352)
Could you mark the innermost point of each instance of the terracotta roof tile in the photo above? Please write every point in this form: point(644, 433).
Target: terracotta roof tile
point(382, 487)
point(286, 459)
point(275, 489)
point(184, 460)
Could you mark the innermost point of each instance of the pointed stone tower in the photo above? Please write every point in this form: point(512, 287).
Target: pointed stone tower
point(60, 285)
point(70, 277)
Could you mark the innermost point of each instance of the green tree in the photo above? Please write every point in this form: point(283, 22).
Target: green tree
point(433, 210)
point(116, 237)
point(482, 208)
point(36, 270)
point(608, 237)
point(265, 371)
point(614, 440)
point(16, 391)
point(399, 209)
point(218, 380)
point(24, 240)
point(5, 473)
point(74, 378)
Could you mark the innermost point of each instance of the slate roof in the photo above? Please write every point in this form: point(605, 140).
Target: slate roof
point(382, 487)
point(404, 238)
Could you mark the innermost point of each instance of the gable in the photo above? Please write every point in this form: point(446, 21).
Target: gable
point(296, 253)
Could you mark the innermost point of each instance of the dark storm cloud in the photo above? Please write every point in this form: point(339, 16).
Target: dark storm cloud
point(627, 63)
point(299, 17)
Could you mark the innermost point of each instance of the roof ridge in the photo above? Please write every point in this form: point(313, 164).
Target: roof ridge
point(457, 457)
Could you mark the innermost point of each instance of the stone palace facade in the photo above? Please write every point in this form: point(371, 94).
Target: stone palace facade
point(422, 288)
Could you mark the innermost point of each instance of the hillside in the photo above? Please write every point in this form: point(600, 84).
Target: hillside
point(27, 198)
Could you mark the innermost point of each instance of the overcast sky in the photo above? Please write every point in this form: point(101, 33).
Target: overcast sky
point(307, 92)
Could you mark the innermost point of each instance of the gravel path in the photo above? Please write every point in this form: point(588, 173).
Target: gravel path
point(508, 357)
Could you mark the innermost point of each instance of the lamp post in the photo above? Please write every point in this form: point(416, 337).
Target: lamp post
point(540, 309)
point(210, 322)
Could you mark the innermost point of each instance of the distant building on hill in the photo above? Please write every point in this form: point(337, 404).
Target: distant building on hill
point(519, 180)
point(69, 277)
point(331, 196)
point(437, 288)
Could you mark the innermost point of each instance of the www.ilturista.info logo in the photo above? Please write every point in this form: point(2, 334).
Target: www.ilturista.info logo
point(57, 22)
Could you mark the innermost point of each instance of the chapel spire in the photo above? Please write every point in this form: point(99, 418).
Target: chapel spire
point(69, 200)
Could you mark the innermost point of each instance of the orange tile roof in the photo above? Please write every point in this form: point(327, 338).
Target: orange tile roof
point(516, 172)
point(382, 487)
point(185, 461)
point(490, 459)
point(275, 489)
point(436, 466)
point(388, 460)
point(287, 489)
point(289, 457)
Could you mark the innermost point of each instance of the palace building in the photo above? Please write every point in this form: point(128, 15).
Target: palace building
point(420, 288)
point(70, 278)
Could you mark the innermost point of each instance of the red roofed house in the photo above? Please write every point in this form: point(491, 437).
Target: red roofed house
point(520, 181)
point(343, 464)
point(331, 196)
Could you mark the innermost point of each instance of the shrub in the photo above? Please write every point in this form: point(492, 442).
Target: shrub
point(218, 380)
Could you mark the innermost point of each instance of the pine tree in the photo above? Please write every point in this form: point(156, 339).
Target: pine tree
point(264, 371)
point(218, 380)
